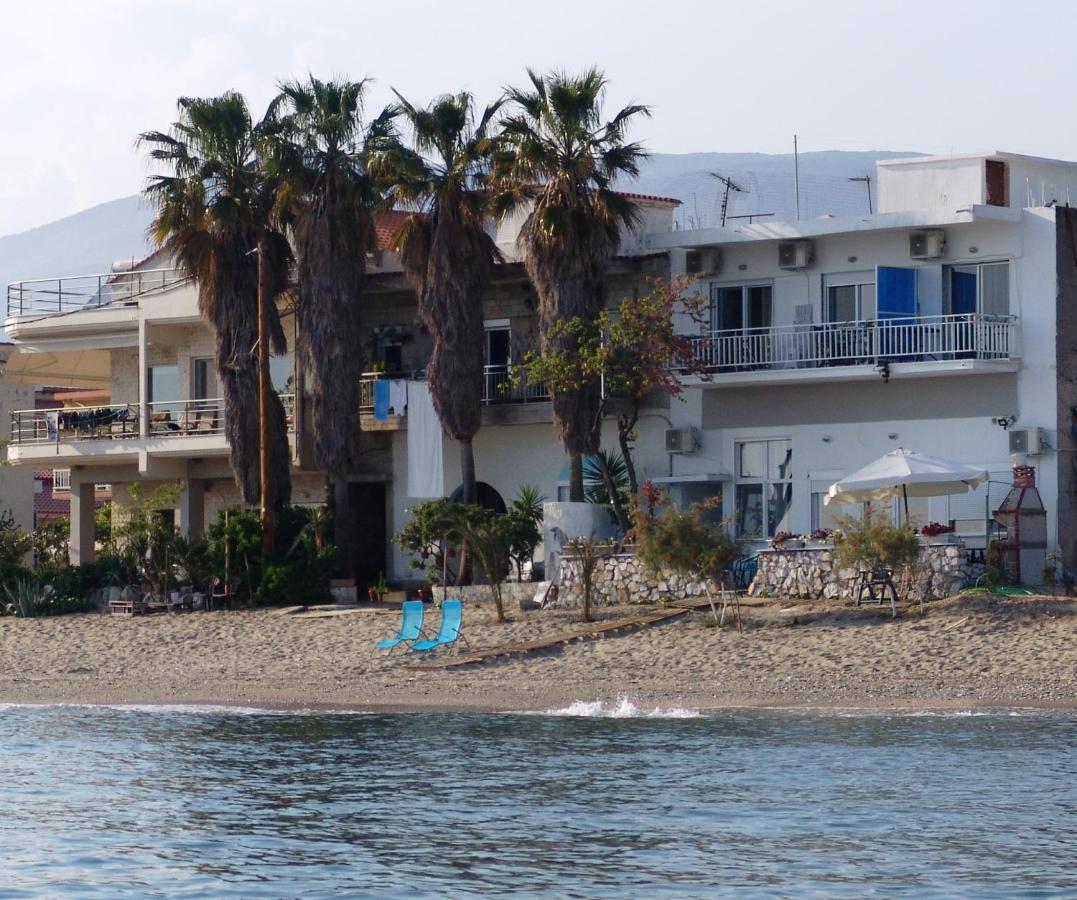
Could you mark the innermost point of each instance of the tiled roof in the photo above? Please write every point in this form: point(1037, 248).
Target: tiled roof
point(49, 506)
point(385, 225)
point(654, 197)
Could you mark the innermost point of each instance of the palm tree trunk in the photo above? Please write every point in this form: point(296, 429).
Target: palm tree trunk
point(575, 478)
point(264, 388)
point(467, 472)
point(625, 426)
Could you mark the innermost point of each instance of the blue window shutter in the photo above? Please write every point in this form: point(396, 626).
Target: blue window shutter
point(962, 292)
point(896, 292)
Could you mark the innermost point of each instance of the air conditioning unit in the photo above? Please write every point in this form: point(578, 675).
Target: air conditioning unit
point(682, 440)
point(1026, 441)
point(795, 254)
point(704, 262)
point(927, 244)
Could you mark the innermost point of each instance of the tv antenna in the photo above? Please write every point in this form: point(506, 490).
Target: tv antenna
point(730, 185)
point(866, 180)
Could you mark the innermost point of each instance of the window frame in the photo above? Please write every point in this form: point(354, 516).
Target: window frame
point(745, 309)
point(979, 265)
point(765, 481)
point(857, 280)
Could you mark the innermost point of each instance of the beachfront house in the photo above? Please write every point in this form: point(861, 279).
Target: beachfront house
point(941, 321)
point(136, 333)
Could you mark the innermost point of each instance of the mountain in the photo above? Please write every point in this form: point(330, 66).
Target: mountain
point(768, 183)
point(90, 241)
point(83, 244)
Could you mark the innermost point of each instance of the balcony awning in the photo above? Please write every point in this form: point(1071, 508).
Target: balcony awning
point(68, 368)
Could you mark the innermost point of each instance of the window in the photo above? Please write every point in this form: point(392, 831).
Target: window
point(850, 298)
point(997, 187)
point(743, 306)
point(163, 384)
point(280, 373)
point(979, 288)
point(764, 489)
point(203, 379)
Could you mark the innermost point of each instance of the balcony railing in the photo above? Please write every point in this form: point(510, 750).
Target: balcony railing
point(79, 292)
point(499, 386)
point(165, 418)
point(870, 342)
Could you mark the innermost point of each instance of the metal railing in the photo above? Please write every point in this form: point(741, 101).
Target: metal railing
point(912, 339)
point(79, 292)
point(61, 480)
point(498, 386)
point(164, 418)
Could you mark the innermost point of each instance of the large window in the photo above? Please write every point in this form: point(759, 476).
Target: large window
point(163, 384)
point(764, 489)
point(743, 306)
point(850, 298)
point(979, 288)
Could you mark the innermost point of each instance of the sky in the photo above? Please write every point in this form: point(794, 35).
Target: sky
point(82, 79)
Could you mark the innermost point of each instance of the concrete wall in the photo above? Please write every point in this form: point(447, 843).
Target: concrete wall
point(933, 183)
point(16, 482)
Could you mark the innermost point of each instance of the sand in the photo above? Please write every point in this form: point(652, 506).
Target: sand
point(965, 651)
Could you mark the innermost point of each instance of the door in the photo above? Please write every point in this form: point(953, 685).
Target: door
point(895, 295)
point(498, 360)
point(369, 555)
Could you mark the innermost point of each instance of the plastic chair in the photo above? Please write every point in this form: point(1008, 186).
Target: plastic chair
point(411, 626)
point(452, 620)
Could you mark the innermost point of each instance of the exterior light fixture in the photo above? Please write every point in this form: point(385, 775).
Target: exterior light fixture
point(884, 370)
point(893, 435)
point(742, 267)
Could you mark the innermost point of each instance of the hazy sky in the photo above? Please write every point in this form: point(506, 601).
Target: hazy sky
point(82, 79)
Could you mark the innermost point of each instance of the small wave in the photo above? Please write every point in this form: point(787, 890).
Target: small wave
point(622, 709)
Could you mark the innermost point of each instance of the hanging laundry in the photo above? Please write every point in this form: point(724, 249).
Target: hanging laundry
point(398, 397)
point(381, 400)
point(426, 476)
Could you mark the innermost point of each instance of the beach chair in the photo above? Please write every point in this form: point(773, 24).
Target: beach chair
point(452, 620)
point(411, 626)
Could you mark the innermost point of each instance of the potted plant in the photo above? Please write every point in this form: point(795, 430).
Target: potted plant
point(819, 539)
point(786, 540)
point(937, 533)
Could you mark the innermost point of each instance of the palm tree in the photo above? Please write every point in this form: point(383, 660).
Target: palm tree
point(212, 217)
point(557, 154)
point(315, 148)
point(447, 254)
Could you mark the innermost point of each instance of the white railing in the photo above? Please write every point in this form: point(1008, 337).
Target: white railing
point(61, 480)
point(870, 342)
point(164, 418)
point(77, 292)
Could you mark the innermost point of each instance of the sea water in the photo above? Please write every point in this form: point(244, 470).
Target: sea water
point(595, 800)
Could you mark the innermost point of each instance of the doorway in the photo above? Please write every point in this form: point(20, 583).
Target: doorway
point(368, 550)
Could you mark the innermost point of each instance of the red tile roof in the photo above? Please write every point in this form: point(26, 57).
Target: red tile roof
point(385, 225)
point(653, 197)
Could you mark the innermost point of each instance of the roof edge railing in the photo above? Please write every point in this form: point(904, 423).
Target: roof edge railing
point(75, 293)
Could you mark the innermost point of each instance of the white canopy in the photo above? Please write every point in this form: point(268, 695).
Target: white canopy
point(905, 473)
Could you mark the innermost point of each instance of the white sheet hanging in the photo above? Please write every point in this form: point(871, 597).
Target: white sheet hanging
point(426, 476)
point(398, 396)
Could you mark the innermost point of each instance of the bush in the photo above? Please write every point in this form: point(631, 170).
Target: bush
point(14, 542)
point(301, 579)
point(872, 541)
point(682, 541)
point(12, 572)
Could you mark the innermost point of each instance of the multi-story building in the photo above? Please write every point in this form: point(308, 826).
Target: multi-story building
point(137, 333)
point(943, 321)
point(16, 484)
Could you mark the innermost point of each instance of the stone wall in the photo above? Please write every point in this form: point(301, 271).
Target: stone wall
point(812, 573)
point(621, 578)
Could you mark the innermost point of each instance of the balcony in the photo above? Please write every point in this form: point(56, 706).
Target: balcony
point(114, 424)
point(921, 346)
point(498, 387)
point(77, 293)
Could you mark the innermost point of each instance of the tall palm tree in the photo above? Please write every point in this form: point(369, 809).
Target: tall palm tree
point(557, 154)
point(447, 254)
point(315, 148)
point(212, 217)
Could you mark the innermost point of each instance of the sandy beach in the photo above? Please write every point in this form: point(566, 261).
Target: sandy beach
point(965, 651)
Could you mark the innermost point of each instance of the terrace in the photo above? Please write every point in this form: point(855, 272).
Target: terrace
point(914, 345)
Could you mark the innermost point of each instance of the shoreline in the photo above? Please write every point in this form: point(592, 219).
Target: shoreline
point(970, 652)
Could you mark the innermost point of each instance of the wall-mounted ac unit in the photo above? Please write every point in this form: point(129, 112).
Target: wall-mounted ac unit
point(1027, 441)
point(795, 254)
point(704, 262)
point(927, 244)
point(682, 440)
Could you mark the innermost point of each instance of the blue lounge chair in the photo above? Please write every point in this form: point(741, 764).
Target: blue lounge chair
point(452, 620)
point(411, 626)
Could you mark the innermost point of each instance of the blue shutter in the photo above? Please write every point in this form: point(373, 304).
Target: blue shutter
point(962, 292)
point(895, 291)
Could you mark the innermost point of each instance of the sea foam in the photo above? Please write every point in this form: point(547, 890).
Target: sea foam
point(624, 708)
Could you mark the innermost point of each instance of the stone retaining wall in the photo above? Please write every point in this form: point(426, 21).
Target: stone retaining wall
point(621, 578)
point(812, 573)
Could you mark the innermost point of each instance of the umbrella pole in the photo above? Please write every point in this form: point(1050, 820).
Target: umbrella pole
point(905, 495)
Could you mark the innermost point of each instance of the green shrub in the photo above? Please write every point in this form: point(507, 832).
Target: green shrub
point(14, 542)
point(299, 579)
point(871, 541)
point(684, 542)
point(12, 572)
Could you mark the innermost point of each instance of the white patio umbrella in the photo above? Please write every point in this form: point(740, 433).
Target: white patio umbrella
point(905, 473)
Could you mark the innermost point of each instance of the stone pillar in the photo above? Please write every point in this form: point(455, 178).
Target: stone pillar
point(82, 522)
point(192, 508)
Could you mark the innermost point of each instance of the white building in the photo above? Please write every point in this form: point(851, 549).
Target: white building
point(930, 324)
point(16, 483)
point(943, 322)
